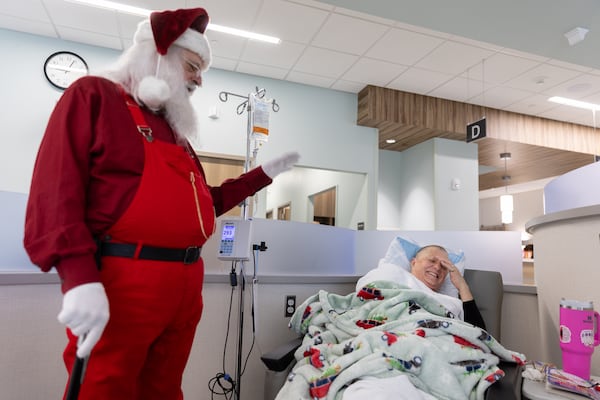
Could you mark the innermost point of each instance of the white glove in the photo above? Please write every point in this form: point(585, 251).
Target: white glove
point(280, 164)
point(85, 312)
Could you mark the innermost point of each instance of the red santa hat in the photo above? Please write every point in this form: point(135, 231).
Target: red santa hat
point(184, 28)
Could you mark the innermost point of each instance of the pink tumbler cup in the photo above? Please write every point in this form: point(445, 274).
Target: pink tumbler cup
point(578, 336)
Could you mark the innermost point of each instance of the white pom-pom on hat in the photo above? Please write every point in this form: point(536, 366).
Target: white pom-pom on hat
point(153, 92)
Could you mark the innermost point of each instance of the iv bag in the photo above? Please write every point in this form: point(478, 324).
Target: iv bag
point(260, 118)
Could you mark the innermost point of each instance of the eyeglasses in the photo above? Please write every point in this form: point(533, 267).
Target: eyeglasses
point(192, 67)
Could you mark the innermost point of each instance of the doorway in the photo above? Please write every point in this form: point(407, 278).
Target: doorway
point(323, 205)
point(217, 169)
point(284, 212)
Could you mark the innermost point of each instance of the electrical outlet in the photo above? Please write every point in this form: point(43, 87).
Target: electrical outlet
point(290, 305)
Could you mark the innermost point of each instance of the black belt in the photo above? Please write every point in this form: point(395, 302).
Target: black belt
point(187, 256)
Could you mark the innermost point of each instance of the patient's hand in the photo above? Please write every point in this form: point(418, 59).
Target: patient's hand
point(458, 281)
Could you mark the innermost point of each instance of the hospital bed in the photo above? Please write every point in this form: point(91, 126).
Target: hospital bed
point(487, 289)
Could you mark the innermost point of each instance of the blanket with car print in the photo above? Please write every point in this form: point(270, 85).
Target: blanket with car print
point(385, 330)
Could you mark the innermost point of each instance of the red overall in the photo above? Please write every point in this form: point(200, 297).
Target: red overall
point(155, 306)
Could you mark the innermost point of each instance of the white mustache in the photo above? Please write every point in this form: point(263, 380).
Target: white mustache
point(190, 87)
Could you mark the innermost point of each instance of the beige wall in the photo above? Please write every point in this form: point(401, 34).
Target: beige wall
point(32, 342)
point(271, 331)
point(32, 339)
point(520, 325)
point(566, 256)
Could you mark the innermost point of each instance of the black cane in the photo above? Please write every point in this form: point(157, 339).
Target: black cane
point(76, 377)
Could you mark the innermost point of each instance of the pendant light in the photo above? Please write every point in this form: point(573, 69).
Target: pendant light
point(506, 200)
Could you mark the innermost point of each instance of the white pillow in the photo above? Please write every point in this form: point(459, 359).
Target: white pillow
point(401, 251)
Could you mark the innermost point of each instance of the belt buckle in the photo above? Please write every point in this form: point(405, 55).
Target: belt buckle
point(192, 254)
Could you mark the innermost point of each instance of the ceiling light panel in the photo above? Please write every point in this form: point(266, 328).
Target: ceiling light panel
point(574, 103)
point(128, 9)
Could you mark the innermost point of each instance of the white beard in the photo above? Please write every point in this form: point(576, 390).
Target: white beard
point(180, 113)
point(168, 93)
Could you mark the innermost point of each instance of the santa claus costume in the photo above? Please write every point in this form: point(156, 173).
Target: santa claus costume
point(119, 205)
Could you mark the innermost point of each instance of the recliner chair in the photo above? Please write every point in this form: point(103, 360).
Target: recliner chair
point(488, 290)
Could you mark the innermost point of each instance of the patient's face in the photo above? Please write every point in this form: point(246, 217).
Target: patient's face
point(427, 267)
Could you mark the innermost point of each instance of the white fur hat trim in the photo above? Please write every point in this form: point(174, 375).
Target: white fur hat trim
point(190, 39)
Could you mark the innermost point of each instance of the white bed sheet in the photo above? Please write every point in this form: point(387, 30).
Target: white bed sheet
point(394, 388)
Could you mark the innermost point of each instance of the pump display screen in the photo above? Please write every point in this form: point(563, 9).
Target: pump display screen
point(235, 240)
point(228, 232)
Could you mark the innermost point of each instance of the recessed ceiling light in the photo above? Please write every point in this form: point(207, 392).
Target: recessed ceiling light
point(113, 5)
point(390, 141)
point(242, 33)
point(574, 103)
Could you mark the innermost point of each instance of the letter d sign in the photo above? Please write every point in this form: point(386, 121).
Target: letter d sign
point(476, 130)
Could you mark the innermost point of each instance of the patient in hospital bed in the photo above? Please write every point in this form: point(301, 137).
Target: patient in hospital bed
point(403, 334)
point(431, 265)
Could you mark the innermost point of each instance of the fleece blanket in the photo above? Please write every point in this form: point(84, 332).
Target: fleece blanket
point(384, 330)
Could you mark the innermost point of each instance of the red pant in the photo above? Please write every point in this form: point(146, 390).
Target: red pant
point(154, 310)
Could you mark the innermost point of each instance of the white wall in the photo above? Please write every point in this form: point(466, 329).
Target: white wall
point(415, 191)
point(318, 250)
point(489, 251)
point(456, 209)
point(294, 248)
point(574, 189)
point(389, 190)
point(27, 99)
point(406, 189)
point(12, 252)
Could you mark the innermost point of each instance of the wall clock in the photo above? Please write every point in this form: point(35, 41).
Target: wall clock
point(63, 68)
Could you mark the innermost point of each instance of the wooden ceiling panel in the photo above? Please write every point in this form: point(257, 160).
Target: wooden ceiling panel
point(411, 119)
point(527, 163)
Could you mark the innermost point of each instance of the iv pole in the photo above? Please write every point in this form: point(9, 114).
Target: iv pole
point(244, 106)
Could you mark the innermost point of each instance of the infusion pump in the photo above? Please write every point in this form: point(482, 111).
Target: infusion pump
point(235, 240)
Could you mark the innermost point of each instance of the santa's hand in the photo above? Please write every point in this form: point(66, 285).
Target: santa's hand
point(280, 164)
point(85, 312)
